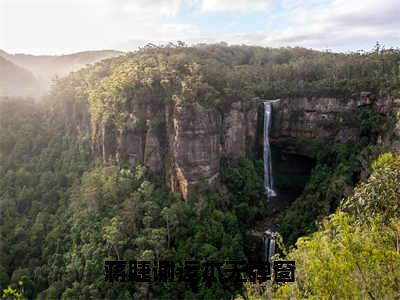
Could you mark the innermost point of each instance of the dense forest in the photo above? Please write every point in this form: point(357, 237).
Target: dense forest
point(64, 210)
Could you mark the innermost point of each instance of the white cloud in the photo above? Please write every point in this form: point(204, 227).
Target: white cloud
point(341, 25)
point(49, 26)
point(148, 7)
point(63, 26)
point(233, 5)
point(46, 26)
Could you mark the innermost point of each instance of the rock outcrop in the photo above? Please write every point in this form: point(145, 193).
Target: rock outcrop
point(234, 133)
point(194, 143)
point(152, 151)
point(187, 141)
point(300, 121)
point(390, 106)
point(199, 136)
point(239, 132)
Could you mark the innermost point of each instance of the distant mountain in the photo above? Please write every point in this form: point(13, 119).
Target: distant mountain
point(48, 67)
point(16, 81)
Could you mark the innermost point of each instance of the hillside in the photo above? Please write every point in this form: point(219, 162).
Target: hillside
point(16, 81)
point(46, 67)
point(158, 156)
point(355, 252)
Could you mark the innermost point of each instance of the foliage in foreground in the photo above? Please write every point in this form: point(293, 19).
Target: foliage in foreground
point(11, 293)
point(63, 216)
point(338, 168)
point(356, 252)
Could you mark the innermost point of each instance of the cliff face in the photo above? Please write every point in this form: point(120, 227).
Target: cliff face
point(187, 141)
point(298, 122)
point(239, 132)
point(138, 141)
point(198, 137)
point(194, 144)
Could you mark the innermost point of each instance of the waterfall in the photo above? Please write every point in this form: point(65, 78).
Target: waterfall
point(269, 244)
point(268, 182)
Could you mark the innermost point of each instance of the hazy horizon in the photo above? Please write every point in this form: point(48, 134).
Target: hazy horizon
point(64, 27)
point(369, 48)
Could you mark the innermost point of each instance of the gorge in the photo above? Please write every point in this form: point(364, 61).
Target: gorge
point(189, 140)
point(162, 119)
point(169, 154)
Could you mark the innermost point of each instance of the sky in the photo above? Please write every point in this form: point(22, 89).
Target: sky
point(66, 26)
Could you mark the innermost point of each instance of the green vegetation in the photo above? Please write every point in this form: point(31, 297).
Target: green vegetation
point(13, 293)
point(62, 212)
point(64, 222)
point(38, 166)
point(338, 168)
point(355, 253)
point(217, 75)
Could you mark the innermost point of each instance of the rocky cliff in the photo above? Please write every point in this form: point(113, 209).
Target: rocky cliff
point(187, 141)
point(198, 137)
point(297, 122)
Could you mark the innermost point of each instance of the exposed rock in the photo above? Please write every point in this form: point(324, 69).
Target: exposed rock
point(194, 143)
point(131, 146)
point(347, 134)
point(365, 99)
point(109, 145)
point(182, 182)
point(297, 122)
point(76, 116)
point(234, 129)
point(385, 105)
point(138, 142)
point(251, 126)
point(189, 139)
point(152, 157)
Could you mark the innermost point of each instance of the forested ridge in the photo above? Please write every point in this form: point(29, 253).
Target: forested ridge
point(42, 70)
point(15, 80)
point(64, 211)
point(216, 75)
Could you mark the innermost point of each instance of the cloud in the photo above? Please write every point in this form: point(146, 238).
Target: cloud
point(48, 26)
point(136, 23)
point(147, 7)
point(340, 25)
point(163, 34)
point(63, 26)
point(233, 5)
point(172, 7)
